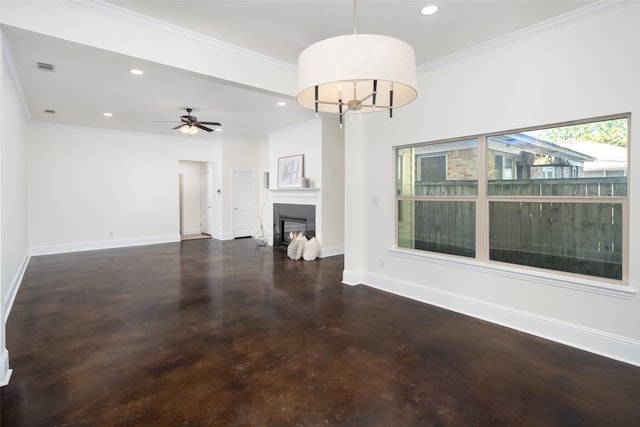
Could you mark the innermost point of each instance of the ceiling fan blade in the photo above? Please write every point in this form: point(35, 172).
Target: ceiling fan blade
point(210, 123)
point(179, 126)
point(199, 125)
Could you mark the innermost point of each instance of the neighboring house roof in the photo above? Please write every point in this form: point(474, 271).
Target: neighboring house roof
point(538, 146)
point(598, 150)
point(606, 156)
point(592, 153)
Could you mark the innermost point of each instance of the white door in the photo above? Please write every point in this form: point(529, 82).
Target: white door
point(244, 195)
point(206, 202)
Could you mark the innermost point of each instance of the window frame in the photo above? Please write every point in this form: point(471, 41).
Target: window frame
point(503, 169)
point(420, 157)
point(482, 261)
point(548, 172)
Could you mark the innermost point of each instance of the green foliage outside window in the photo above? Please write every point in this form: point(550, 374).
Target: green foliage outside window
point(612, 132)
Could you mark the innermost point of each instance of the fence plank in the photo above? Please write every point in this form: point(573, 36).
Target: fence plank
point(584, 238)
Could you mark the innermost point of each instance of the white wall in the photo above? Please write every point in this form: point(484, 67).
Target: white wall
point(91, 188)
point(262, 188)
point(304, 138)
point(190, 172)
point(321, 141)
point(13, 157)
point(237, 155)
point(333, 188)
point(583, 68)
point(13, 202)
point(217, 226)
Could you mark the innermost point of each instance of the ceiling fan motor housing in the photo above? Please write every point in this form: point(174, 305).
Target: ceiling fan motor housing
point(188, 119)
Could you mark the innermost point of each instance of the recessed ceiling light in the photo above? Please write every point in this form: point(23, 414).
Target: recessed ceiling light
point(108, 114)
point(136, 72)
point(281, 103)
point(429, 9)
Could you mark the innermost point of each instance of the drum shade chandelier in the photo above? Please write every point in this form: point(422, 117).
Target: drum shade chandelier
point(356, 73)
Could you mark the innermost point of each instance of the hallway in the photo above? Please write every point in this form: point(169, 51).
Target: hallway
point(205, 332)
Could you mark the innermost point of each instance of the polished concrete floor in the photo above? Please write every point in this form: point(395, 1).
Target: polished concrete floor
point(216, 333)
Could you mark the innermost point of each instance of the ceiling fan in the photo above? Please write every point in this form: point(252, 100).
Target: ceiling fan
point(190, 124)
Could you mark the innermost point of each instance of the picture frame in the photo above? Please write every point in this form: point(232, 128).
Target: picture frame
point(290, 171)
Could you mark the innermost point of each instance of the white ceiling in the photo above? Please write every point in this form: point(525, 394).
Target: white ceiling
point(88, 81)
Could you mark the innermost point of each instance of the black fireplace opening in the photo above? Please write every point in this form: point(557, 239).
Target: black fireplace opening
point(289, 220)
point(292, 227)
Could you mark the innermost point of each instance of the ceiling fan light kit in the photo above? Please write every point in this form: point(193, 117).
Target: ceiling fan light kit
point(357, 73)
point(188, 130)
point(190, 124)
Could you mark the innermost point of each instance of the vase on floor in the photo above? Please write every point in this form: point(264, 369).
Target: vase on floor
point(261, 237)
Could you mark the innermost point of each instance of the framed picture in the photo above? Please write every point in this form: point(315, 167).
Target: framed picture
point(290, 171)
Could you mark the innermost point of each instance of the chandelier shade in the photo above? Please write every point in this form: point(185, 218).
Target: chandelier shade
point(357, 73)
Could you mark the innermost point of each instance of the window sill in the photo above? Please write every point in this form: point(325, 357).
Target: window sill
point(577, 283)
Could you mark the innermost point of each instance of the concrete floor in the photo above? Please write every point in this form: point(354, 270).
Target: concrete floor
point(216, 333)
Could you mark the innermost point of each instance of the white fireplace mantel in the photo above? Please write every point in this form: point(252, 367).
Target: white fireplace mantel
point(302, 193)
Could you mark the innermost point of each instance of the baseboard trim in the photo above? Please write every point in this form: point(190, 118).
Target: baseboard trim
point(103, 244)
point(15, 285)
point(331, 251)
point(5, 372)
point(222, 236)
point(351, 278)
point(594, 341)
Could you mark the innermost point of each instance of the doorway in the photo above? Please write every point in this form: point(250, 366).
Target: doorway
point(244, 204)
point(196, 199)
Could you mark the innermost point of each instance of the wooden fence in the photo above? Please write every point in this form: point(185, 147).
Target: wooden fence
point(446, 227)
point(583, 238)
point(587, 187)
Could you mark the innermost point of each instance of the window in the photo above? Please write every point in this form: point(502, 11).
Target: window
point(432, 167)
point(433, 182)
point(552, 198)
point(548, 172)
point(503, 167)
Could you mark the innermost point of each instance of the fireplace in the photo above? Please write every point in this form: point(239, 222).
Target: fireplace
point(289, 220)
point(292, 227)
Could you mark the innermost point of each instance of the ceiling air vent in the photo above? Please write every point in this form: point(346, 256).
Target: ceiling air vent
point(46, 67)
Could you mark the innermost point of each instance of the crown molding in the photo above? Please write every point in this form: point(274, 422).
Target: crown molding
point(522, 33)
point(143, 20)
